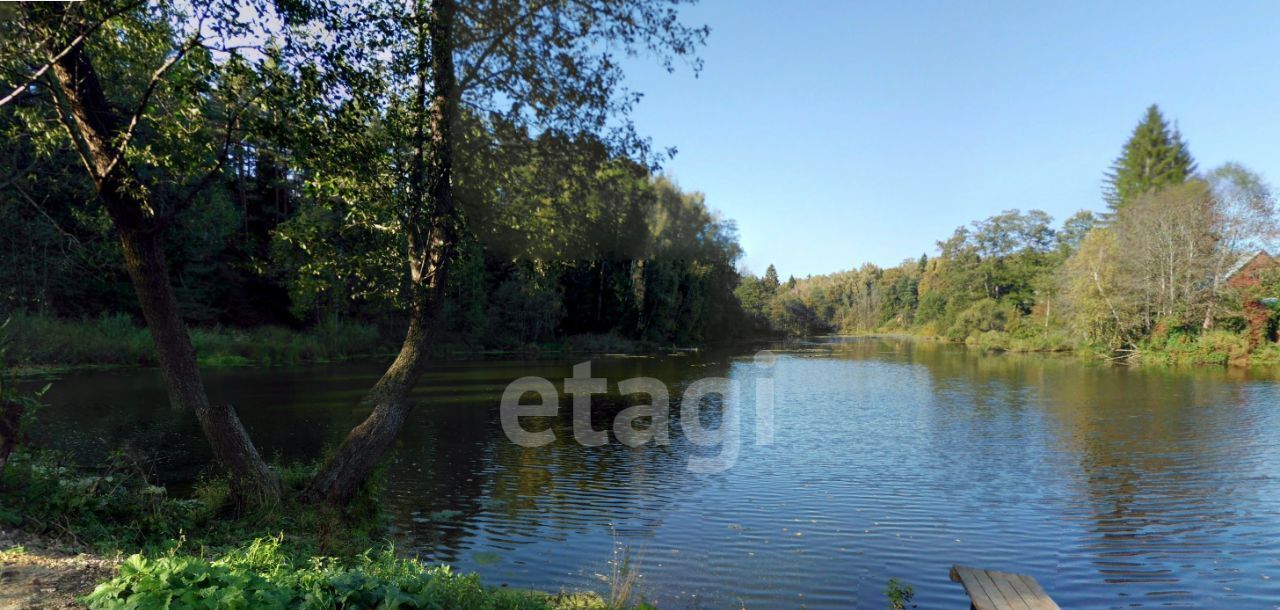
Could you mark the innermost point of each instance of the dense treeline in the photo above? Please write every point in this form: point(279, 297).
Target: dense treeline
point(1151, 275)
point(562, 233)
point(567, 239)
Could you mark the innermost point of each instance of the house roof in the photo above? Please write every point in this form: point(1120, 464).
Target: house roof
point(1244, 261)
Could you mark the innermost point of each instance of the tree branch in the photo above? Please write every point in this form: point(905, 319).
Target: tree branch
point(467, 79)
point(213, 173)
point(152, 85)
point(67, 49)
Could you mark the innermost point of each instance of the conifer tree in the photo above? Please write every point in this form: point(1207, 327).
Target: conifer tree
point(770, 280)
point(1154, 157)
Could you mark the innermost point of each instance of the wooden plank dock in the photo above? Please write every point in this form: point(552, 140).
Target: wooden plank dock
point(992, 590)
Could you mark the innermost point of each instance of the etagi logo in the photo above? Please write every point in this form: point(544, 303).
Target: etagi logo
point(711, 391)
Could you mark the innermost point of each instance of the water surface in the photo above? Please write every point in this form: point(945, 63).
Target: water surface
point(1114, 487)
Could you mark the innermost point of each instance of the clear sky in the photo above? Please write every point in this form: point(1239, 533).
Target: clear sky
point(837, 132)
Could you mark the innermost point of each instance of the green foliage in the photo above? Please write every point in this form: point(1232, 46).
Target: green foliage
point(280, 155)
point(899, 594)
point(107, 339)
point(1215, 347)
point(116, 339)
point(1154, 157)
point(1266, 356)
point(115, 507)
point(792, 316)
point(983, 316)
point(260, 575)
point(109, 507)
point(770, 280)
point(1140, 286)
point(989, 276)
point(332, 339)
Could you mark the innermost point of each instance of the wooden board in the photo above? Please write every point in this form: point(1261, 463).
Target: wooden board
point(992, 590)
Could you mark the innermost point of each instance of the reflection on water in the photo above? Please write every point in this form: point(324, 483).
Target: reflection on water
point(1115, 488)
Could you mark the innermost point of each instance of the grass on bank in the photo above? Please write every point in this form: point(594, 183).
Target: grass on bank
point(114, 339)
point(40, 342)
point(1207, 348)
point(192, 552)
point(115, 509)
point(992, 326)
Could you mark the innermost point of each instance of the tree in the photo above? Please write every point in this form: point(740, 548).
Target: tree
point(1154, 157)
point(1148, 270)
point(1101, 309)
point(1166, 244)
point(146, 165)
point(770, 280)
point(754, 299)
point(796, 318)
point(1244, 220)
point(393, 152)
point(1073, 231)
point(492, 59)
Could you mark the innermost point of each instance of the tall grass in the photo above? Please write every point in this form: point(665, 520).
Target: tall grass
point(114, 339)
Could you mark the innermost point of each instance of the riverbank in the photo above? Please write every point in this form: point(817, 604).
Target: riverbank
point(37, 573)
point(32, 344)
point(1215, 348)
point(107, 538)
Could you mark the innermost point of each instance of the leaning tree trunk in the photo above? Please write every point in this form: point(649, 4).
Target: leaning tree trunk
point(432, 229)
point(97, 126)
point(345, 472)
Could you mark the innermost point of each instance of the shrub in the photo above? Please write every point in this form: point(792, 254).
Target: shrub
point(993, 340)
point(1222, 347)
point(1267, 355)
point(1215, 347)
point(45, 494)
point(261, 576)
point(115, 508)
point(983, 316)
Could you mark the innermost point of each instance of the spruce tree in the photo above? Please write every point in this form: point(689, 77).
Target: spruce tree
point(770, 280)
point(1154, 157)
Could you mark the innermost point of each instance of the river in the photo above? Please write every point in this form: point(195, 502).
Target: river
point(886, 458)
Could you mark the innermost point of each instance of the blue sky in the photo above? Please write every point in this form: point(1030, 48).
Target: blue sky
point(841, 132)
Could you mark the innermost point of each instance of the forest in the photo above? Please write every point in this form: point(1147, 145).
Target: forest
point(1148, 279)
point(277, 183)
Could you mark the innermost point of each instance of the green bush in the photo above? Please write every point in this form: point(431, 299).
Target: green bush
point(44, 493)
point(261, 576)
point(993, 340)
point(114, 508)
point(1266, 355)
point(983, 316)
point(1222, 347)
point(1215, 347)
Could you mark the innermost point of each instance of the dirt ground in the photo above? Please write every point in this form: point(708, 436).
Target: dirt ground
point(37, 573)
